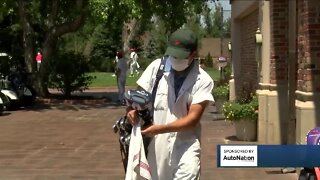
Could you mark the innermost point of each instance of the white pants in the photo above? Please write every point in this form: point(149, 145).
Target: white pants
point(38, 65)
point(173, 158)
point(134, 66)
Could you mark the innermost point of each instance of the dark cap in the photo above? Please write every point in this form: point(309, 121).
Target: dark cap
point(181, 43)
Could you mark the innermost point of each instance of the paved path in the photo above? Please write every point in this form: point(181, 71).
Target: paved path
point(75, 141)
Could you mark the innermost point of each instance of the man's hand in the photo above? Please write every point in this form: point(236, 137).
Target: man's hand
point(182, 124)
point(152, 130)
point(133, 117)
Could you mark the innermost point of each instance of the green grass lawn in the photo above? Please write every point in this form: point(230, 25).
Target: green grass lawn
point(104, 79)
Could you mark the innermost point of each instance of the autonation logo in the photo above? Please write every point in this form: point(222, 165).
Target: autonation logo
point(238, 155)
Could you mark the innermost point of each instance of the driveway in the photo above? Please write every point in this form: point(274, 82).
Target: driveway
point(62, 140)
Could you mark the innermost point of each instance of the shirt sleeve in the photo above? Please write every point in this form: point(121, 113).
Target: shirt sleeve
point(204, 92)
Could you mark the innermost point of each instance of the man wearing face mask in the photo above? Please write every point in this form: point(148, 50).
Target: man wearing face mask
point(183, 93)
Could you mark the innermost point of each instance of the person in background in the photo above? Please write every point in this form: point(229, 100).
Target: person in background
point(38, 59)
point(115, 63)
point(183, 93)
point(134, 65)
point(121, 73)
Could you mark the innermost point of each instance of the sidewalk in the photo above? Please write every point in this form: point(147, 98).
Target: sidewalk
point(62, 141)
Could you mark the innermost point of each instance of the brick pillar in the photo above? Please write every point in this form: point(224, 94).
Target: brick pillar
point(308, 45)
point(279, 41)
point(273, 95)
point(308, 73)
point(249, 26)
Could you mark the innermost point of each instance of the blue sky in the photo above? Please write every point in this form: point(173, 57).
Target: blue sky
point(225, 4)
point(226, 7)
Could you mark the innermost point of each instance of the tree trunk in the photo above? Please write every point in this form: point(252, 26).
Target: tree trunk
point(40, 79)
point(28, 43)
point(28, 37)
point(130, 31)
point(49, 48)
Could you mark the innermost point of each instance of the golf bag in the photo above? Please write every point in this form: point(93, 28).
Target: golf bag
point(140, 101)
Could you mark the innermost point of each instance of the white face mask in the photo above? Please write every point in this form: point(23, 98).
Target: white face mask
point(179, 64)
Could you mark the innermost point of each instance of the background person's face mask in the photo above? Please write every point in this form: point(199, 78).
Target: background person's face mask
point(179, 64)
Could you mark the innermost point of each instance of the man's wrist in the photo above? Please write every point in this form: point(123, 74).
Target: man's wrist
point(163, 128)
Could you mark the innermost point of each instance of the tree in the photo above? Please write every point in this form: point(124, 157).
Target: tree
point(194, 23)
point(137, 13)
point(43, 22)
point(158, 39)
point(227, 28)
point(6, 8)
point(217, 21)
point(214, 25)
point(10, 33)
point(151, 51)
point(207, 18)
point(106, 42)
point(138, 16)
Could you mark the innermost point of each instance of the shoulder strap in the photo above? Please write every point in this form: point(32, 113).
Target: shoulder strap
point(158, 77)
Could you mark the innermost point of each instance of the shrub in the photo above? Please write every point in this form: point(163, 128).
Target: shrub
point(68, 73)
point(208, 61)
point(108, 65)
point(226, 73)
point(235, 110)
point(220, 91)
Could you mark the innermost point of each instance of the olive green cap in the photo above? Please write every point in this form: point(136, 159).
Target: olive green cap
point(181, 43)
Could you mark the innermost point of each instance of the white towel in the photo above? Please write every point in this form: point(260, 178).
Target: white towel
point(138, 167)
